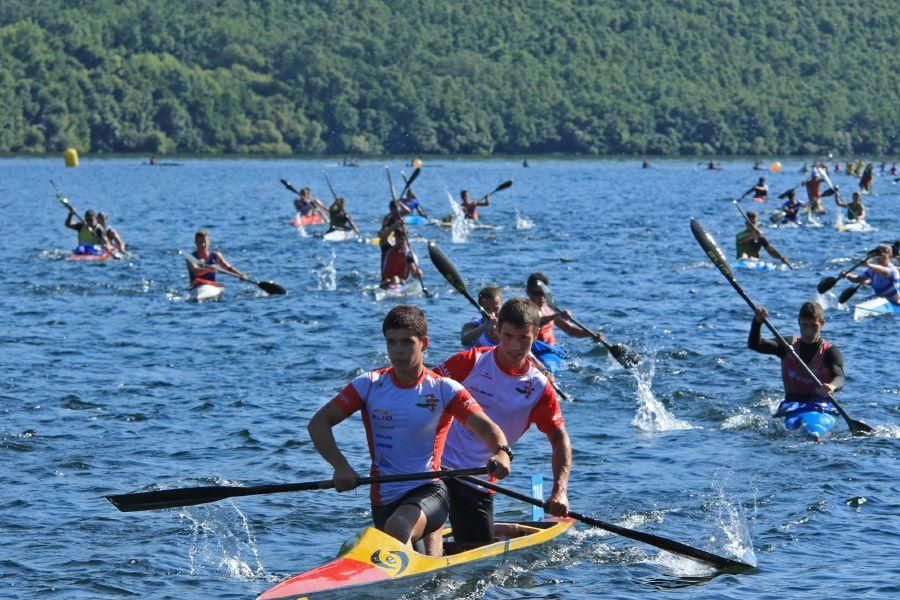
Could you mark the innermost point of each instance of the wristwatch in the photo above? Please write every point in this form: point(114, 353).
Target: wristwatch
point(506, 449)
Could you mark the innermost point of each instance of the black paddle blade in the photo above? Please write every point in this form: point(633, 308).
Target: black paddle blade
point(446, 268)
point(712, 249)
point(626, 357)
point(285, 183)
point(270, 287)
point(506, 184)
point(170, 498)
point(859, 428)
point(412, 178)
point(829, 192)
point(847, 294)
point(826, 284)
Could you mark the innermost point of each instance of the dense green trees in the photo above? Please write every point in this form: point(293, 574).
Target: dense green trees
point(432, 76)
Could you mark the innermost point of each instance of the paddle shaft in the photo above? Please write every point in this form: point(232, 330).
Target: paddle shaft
point(65, 202)
point(767, 244)
point(202, 495)
point(720, 562)
point(269, 287)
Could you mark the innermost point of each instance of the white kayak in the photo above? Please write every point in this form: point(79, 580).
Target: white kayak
point(855, 226)
point(874, 307)
point(410, 288)
point(205, 293)
point(339, 235)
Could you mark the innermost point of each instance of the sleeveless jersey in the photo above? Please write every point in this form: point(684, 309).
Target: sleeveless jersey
point(396, 264)
point(87, 235)
point(511, 400)
point(546, 333)
point(794, 376)
point(406, 426)
point(886, 287)
point(205, 275)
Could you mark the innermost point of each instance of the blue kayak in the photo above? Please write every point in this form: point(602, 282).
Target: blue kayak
point(813, 419)
point(553, 357)
point(415, 220)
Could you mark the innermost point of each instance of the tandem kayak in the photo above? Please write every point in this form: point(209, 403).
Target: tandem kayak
point(373, 557)
point(754, 264)
point(307, 220)
point(874, 307)
point(206, 292)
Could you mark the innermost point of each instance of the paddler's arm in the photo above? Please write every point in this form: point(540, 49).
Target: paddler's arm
point(834, 361)
point(558, 502)
point(492, 436)
point(225, 266)
point(755, 341)
point(574, 330)
point(877, 268)
point(471, 331)
point(320, 432)
point(69, 223)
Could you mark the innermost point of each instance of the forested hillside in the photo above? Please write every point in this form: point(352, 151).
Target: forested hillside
point(654, 77)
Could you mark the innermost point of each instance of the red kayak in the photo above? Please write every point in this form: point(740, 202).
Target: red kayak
point(306, 220)
point(91, 257)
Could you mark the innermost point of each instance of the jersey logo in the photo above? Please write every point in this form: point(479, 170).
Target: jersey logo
point(428, 401)
point(392, 560)
point(526, 389)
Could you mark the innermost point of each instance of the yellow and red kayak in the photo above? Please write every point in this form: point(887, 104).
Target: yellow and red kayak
point(373, 557)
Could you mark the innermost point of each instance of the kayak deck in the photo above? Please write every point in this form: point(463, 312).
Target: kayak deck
point(874, 307)
point(373, 556)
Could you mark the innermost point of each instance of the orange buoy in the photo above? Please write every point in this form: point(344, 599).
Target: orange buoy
point(775, 167)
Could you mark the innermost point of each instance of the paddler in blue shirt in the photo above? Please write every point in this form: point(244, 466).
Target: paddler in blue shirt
point(802, 394)
point(410, 204)
point(90, 237)
point(883, 276)
point(481, 331)
point(791, 208)
point(205, 273)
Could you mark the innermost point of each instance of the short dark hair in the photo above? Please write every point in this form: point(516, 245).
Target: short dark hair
point(884, 249)
point(488, 292)
point(812, 310)
point(520, 312)
point(534, 278)
point(406, 317)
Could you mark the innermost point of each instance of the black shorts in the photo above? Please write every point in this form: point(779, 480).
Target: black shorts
point(432, 499)
point(471, 513)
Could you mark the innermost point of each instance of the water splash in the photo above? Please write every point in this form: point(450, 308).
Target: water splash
point(222, 542)
point(745, 419)
point(301, 231)
point(651, 415)
point(732, 523)
point(523, 222)
point(326, 275)
point(460, 228)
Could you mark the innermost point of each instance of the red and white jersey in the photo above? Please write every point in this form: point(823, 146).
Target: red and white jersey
point(406, 426)
point(511, 400)
point(546, 333)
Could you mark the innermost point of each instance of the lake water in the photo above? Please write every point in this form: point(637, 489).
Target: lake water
point(113, 382)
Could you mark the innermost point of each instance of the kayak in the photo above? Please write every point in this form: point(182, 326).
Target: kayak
point(469, 224)
point(339, 235)
point(754, 264)
point(410, 288)
point(373, 557)
point(206, 292)
point(306, 220)
point(813, 419)
point(855, 226)
point(100, 257)
point(415, 220)
point(874, 307)
point(551, 356)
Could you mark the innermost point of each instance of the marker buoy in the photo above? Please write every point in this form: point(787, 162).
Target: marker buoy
point(71, 157)
point(416, 163)
point(775, 167)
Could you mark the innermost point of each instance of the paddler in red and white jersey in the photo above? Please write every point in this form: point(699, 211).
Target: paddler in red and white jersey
point(549, 317)
point(407, 411)
point(399, 262)
point(205, 273)
point(822, 357)
point(515, 395)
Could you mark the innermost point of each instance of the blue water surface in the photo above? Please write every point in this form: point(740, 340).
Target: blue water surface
point(114, 382)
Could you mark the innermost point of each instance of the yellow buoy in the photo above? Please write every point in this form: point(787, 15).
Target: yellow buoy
point(775, 167)
point(417, 163)
point(71, 156)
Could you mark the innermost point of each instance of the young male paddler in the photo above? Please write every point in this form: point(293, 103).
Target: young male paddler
point(407, 410)
point(514, 394)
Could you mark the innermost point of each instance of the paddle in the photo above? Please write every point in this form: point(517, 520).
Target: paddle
point(714, 253)
point(720, 562)
point(96, 228)
point(848, 293)
point(829, 282)
point(409, 241)
point(503, 186)
point(203, 495)
point(335, 196)
point(269, 287)
point(766, 243)
point(625, 356)
point(446, 268)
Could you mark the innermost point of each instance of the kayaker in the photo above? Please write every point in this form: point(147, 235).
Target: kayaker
point(866, 179)
point(712, 166)
point(549, 316)
point(812, 193)
point(855, 209)
point(760, 191)
point(390, 224)
point(307, 205)
point(470, 207)
point(399, 262)
point(791, 208)
point(111, 234)
point(515, 395)
point(801, 394)
point(205, 273)
point(407, 410)
point(881, 274)
point(410, 204)
point(338, 217)
point(749, 241)
point(481, 331)
point(90, 236)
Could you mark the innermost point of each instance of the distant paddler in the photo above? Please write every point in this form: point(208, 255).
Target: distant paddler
point(881, 274)
point(760, 191)
point(409, 204)
point(399, 263)
point(514, 394)
point(338, 218)
point(210, 261)
point(91, 238)
point(806, 404)
point(110, 233)
point(482, 330)
point(749, 241)
point(407, 411)
point(791, 209)
point(308, 206)
point(856, 212)
point(866, 179)
point(469, 206)
point(813, 193)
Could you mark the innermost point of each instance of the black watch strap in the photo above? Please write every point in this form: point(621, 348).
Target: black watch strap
point(506, 449)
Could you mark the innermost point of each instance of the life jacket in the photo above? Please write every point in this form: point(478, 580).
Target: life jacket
point(338, 219)
point(205, 275)
point(546, 333)
point(87, 235)
point(750, 247)
point(396, 264)
point(794, 376)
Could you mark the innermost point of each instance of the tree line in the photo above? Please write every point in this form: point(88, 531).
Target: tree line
point(370, 77)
